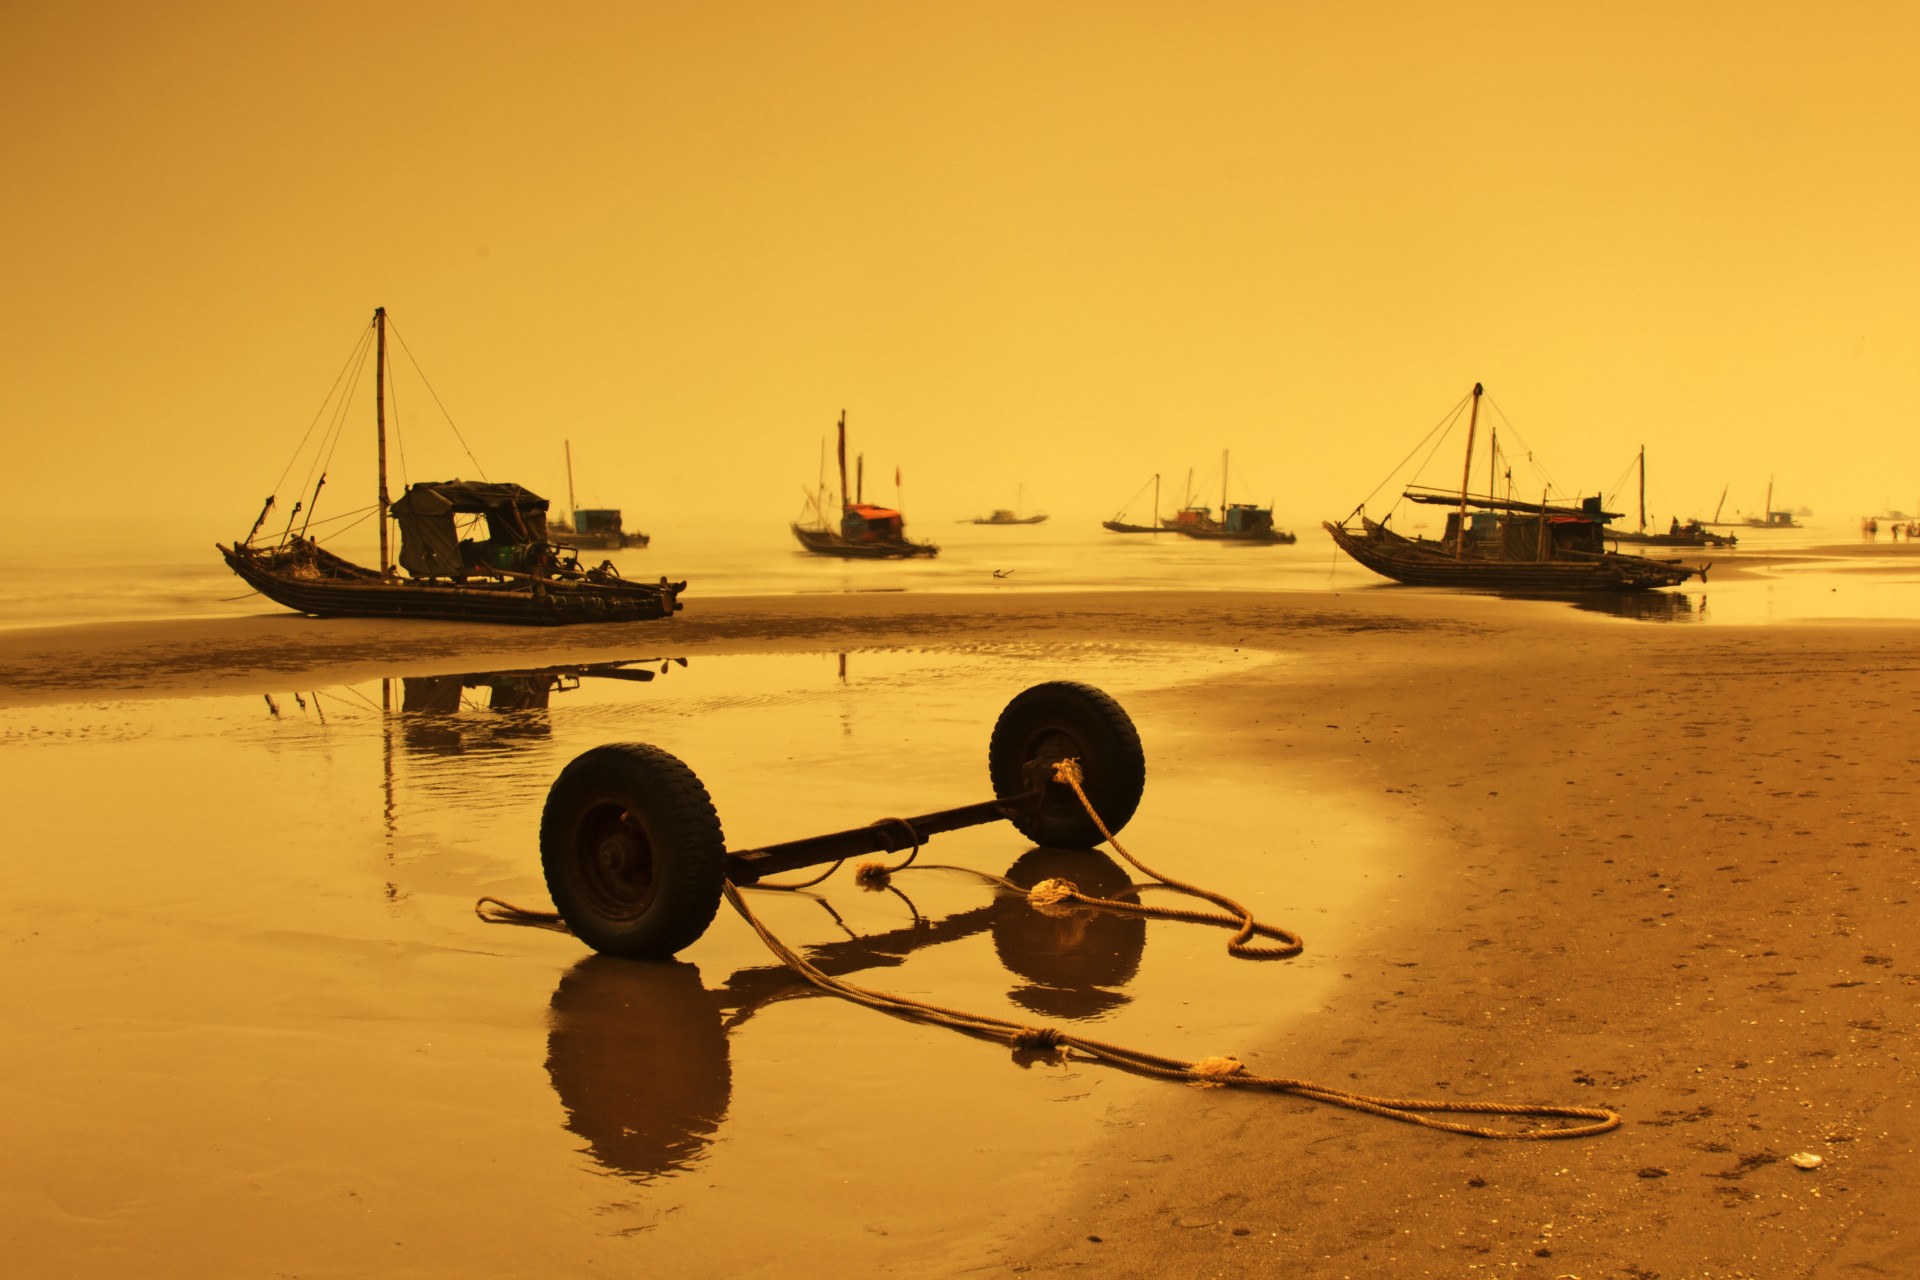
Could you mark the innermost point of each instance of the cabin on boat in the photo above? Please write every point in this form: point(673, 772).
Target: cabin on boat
point(860, 522)
point(430, 541)
point(1526, 531)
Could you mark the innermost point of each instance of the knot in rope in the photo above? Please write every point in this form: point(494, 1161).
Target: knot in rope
point(1044, 1039)
point(1211, 1073)
point(1068, 771)
point(873, 875)
point(1048, 896)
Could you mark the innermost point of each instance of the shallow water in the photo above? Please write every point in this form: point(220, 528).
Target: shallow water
point(140, 574)
point(256, 1028)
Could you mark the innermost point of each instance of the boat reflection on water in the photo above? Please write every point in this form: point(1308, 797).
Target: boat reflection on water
point(638, 1053)
point(1647, 606)
point(515, 703)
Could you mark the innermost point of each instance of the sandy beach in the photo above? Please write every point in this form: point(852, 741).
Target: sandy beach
point(1668, 870)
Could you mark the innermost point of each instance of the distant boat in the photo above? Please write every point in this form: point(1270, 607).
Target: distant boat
point(1120, 523)
point(591, 528)
point(1771, 519)
point(866, 532)
point(1003, 515)
point(514, 574)
point(1239, 521)
point(1690, 534)
point(1500, 544)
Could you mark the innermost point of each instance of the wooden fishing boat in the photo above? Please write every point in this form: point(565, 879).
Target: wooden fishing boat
point(592, 528)
point(1690, 534)
point(1120, 523)
point(1240, 522)
point(1769, 518)
point(1505, 545)
point(514, 574)
point(866, 531)
point(1005, 515)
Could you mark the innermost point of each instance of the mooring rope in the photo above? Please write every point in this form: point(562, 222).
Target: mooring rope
point(1215, 1072)
point(1211, 1072)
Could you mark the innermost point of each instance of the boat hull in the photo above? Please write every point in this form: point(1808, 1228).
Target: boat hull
point(1703, 541)
point(597, 541)
point(824, 542)
point(1419, 563)
point(1257, 537)
point(309, 579)
point(1121, 526)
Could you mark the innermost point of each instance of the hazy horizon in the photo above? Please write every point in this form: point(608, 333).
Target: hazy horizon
point(1036, 253)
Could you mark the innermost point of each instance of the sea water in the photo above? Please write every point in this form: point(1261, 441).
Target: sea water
point(154, 571)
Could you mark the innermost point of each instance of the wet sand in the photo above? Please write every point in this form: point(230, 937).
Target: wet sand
point(1664, 869)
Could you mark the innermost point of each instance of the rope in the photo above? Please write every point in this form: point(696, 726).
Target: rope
point(1068, 771)
point(1213, 1072)
point(1210, 1072)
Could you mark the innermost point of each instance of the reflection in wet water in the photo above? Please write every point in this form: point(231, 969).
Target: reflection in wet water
point(1647, 606)
point(517, 702)
point(638, 1052)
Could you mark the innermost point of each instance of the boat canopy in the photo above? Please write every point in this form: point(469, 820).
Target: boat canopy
point(863, 521)
point(430, 544)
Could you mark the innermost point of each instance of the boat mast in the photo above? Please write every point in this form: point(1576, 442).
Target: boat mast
point(1223, 485)
point(1767, 512)
point(1723, 501)
point(1466, 471)
point(380, 425)
point(1643, 488)
point(573, 508)
point(1156, 500)
point(844, 504)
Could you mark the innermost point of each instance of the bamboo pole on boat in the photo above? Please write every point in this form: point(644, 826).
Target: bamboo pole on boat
point(380, 425)
point(1466, 473)
point(573, 507)
point(1156, 502)
point(1643, 488)
point(842, 450)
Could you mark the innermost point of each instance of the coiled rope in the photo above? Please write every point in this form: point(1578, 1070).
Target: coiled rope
point(1215, 1072)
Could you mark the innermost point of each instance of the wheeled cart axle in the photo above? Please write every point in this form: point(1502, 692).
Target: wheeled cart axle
point(635, 859)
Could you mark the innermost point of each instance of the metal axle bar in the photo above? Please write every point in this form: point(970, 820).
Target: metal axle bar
point(888, 835)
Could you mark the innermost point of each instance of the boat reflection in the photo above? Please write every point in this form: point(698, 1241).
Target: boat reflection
point(514, 706)
point(1647, 606)
point(638, 1053)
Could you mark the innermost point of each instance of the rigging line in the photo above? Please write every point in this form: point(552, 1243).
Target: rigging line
point(360, 512)
point(366, 514)
point(1533, 459)
point(319, 413)
point(331, 441)
point(1437, 433)
point(1620, 481)
point(436, 397)
point(399, 440)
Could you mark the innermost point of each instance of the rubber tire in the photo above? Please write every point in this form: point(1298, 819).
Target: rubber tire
point(636, 803)
point(1064, 718)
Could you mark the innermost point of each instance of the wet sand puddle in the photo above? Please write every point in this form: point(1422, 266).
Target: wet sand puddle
point(255, 1027)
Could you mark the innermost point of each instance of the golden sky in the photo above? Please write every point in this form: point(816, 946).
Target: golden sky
point(1059, 246)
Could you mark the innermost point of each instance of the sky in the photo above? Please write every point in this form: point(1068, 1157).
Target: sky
point(1037, 252)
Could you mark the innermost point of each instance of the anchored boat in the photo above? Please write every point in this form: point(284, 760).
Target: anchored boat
point(512, 574)
point(1690, 534)
point(592, 528)
point(1504, 544)
point(1241, 522)
point(866, 532)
